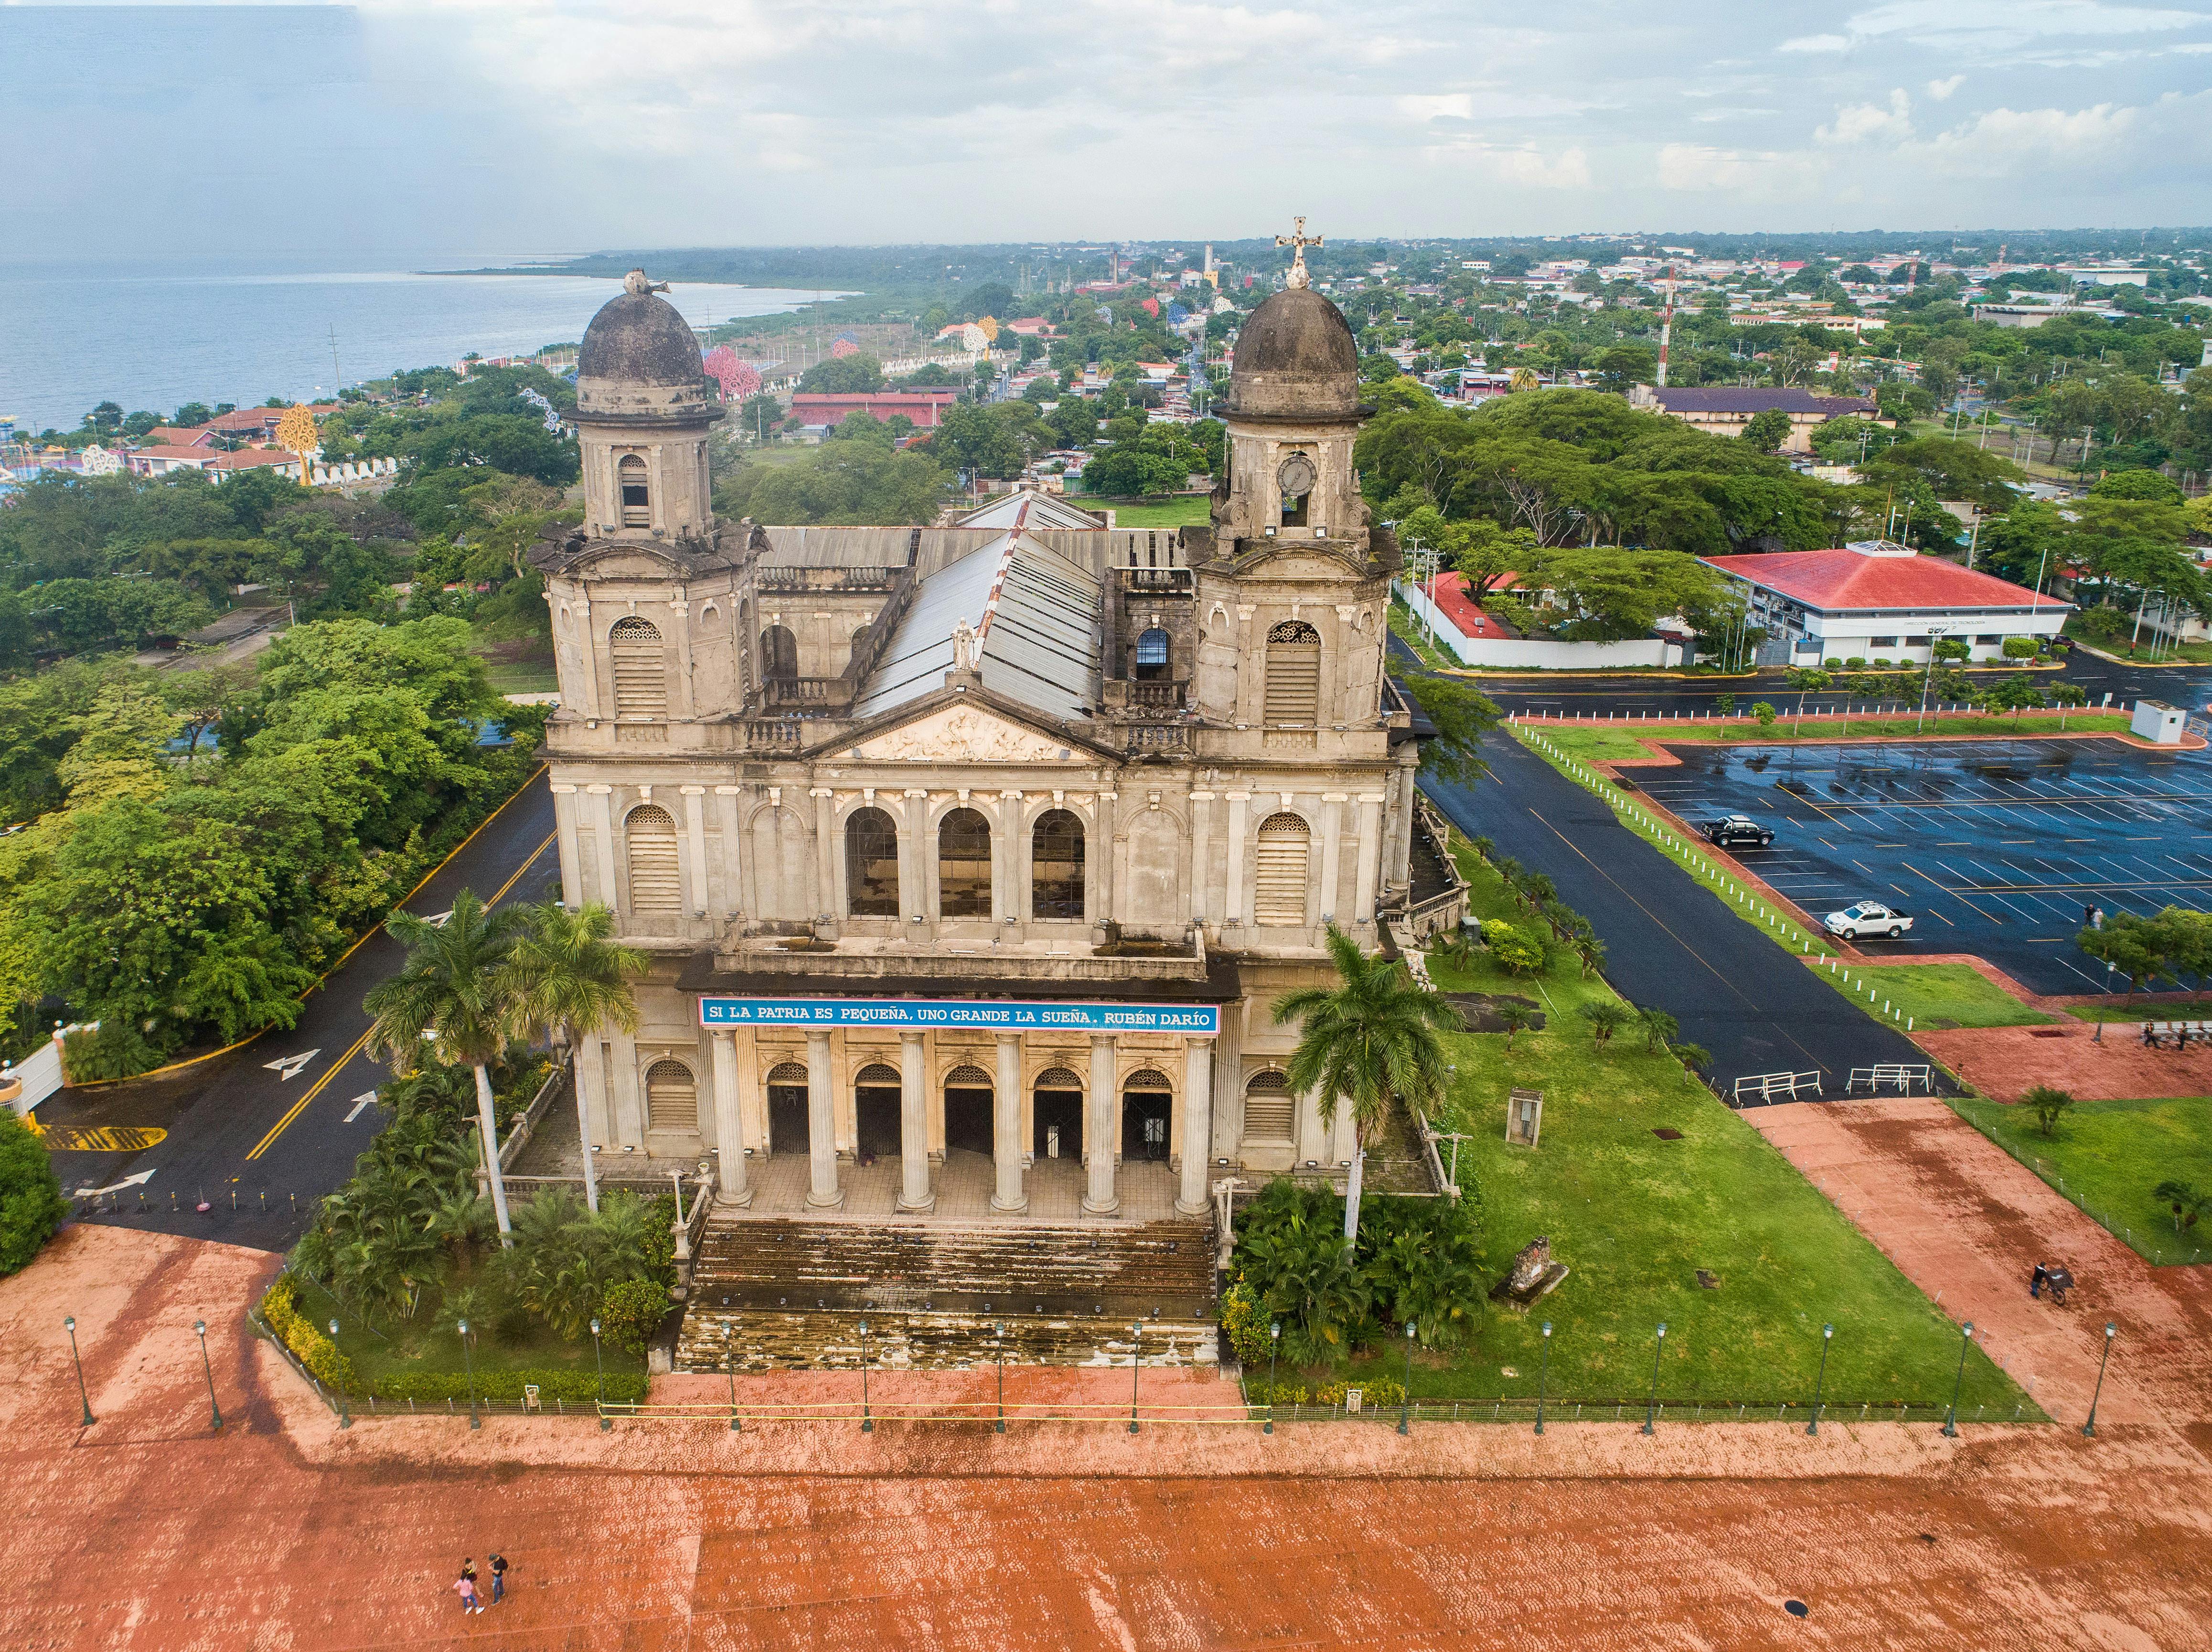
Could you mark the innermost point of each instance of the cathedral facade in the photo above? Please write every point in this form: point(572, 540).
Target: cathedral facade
point(1001, 838)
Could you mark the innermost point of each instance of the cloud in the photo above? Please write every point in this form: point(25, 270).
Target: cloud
point(1817, 43)
point(1443, 105)
point(1863, 123)
point(1941, 90)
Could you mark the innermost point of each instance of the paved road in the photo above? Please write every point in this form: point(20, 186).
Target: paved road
point(1668, 942)
point(283, 1120)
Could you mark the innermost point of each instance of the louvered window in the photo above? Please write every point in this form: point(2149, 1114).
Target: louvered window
point(654, 883)
point(1293, 683)
point(1268, 1110)
point(641, 669)
point(1278, 894)
point(671, 1097)
point(636, 501)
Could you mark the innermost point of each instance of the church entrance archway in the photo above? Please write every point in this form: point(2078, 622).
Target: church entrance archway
point(1146, 1106)
point(967, 1111)
point(787, 1109)
point(876, 1112)
point(1059, 1124)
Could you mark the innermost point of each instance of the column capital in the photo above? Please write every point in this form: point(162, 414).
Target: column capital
point(1201, 797)
point(1374, 796)
point(819, 792)
point(1336, 796)
point(562, 790)
point(600, 791)
point(1102, 1040)
point(692, 791)
point(728, 791)
point(1237, 797)
point(723, 1035)
point(909, 1035)
point(916, 792)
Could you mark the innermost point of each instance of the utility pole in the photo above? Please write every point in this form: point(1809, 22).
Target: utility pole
point(1666, 325)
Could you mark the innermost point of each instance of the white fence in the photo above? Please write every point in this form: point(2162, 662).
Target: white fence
point(1502, 654)
point(41, 1073)
point(1895, 1077)
point(1764, 1087)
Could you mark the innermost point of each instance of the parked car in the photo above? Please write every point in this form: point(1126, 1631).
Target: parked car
point(1734, 831)
point(1867, 918)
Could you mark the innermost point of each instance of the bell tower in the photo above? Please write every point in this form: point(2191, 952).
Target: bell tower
point(643, 407)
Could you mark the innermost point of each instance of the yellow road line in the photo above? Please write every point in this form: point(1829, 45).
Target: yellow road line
point(313, 1091)
point(521, 869)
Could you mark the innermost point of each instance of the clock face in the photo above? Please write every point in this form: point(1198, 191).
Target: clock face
point(1296, 476)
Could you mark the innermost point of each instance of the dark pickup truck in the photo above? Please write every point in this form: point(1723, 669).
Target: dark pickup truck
point(1738, 831)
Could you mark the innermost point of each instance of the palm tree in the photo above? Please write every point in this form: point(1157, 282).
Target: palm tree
point(1605, 1017)
point(1514, 1019)
point(569, 977)
point(1660, 1028)
point(454, 994)
point(1372, 1037)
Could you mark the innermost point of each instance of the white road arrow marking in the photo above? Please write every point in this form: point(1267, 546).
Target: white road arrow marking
point(289, 1065)
point(366, 1099)
point(131, 1181)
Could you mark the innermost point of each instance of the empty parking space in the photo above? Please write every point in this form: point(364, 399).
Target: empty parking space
point(1997, 847)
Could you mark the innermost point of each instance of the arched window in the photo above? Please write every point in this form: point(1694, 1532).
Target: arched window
point(636, 499)
point(1151, 655)
point(964, 865)
point(779, 653)
point(671, 1097)
point(654, 883)
point(1057, 865)
point(1293, 684)
point(641, 668)
point(1279, 889)
point(872, 864)
point(1268, 1110)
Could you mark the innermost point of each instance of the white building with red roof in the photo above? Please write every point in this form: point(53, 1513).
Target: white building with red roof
point(1873, 600)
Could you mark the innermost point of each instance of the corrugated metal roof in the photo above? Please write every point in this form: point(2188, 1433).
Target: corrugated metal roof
point(1043, 510)
point(836, 546)
point(1040, 633)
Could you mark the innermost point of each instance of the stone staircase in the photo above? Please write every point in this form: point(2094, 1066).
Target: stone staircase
point(776, 1295)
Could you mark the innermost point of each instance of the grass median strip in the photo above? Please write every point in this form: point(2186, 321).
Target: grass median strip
point(1941, 995)
point(1623, 740)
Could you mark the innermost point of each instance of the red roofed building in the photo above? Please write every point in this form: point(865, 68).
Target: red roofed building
point(1873, 601)
point(924, 407)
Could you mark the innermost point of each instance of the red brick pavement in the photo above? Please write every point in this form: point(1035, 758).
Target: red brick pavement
point(144, 1531)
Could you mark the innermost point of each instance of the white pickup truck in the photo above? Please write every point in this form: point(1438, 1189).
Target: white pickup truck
point(1867, 918)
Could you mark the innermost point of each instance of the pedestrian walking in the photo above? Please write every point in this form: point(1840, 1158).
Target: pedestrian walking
point(469, 1567)
point(498, 1578)
point(2037, 1280)
point(466, 1587)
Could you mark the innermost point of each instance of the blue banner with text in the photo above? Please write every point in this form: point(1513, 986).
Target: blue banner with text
point(1192, 1020)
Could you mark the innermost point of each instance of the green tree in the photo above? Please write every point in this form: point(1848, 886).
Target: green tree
point(1807, 680)
point(839, 483)
point(1461, 716)
point(568, 976)
point(2049, 1105)
point(31, 1202)
point(1767, 429)
point(455, 995)
point(1613, 593)
point(1606, 1018)
point(843, 375)
point(2187, 1201)
point(2137, 947)
point(1660, 1028)
point(1513, 1019)
point(2015, 695)
point(1371, 1038)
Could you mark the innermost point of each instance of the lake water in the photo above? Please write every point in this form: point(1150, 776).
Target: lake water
point(154, 336)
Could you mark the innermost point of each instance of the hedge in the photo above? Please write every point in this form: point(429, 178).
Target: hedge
point(315, 1351)
point(505, 1387)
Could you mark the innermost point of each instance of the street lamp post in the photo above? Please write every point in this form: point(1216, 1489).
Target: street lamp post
point(1966, 1342)
point(2089, 1428)
point(999, 1335)
point(345, 1419)
point(469, 1366)
point(1136, 1363)
point(214, 1412)
point(1543, 1372)
point(1651, 1405)
point(867, 1422)
point(1275, 1348)
point(1827, 1336)
point(730, 1367)
point(69, 1325)
point(2098, 1036)
point(606, 1423)
point(1405, 1407)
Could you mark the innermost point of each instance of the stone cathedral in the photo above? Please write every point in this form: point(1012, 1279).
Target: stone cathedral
point(972, 860)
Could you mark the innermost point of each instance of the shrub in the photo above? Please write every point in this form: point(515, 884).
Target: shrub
point(1834, 662)
point(31, 1202)
point(280, 1310)
point(631, 1312)
point(1244, 1325)
point(2048, 1104)
point(1516, 952)
point(1375, 1395)
point(1724, 704)
point(1283, 1393)
point(1765, 713)
point(112, 1050)
point(1855, 663)
point(575, 1387)
point(2021, 648)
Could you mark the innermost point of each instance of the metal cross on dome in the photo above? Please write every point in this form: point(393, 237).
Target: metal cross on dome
point(1300, 240)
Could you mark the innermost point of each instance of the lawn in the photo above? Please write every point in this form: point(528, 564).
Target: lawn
point(1933, 994)
point(1177, 511)
point(525, 677)
point(512, 1342)
point(2108, 1156)
point(1635, 1216)
point(1408, 629)
point(1614, 743)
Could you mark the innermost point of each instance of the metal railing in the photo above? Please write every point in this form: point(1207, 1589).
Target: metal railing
point(1762, 1087)
point(1896, 1077)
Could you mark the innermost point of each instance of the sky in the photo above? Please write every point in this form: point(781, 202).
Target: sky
point(553, 126)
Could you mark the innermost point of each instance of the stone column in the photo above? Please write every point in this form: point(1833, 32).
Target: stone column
point(588, 652)
point(733, 1187)
point(695, 832)
point(1237, 908)
point(915, 1195)
point(914, 873)
point(591, 1090)
point(1100, 1197)
point(625, 1104)
point(1008, 904)
point(822, 1192)
point(603, 834)
point(825, 859)
point(680, 606)
point(1371, 855)
point(734, 852)
point(1009, 1199)
point(1331, 845)
point(1193, 1198)
point(1106, 828)
point(564, 837)
point(1201, 834)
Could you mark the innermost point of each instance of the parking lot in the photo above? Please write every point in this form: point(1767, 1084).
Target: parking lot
point(1995, 847)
